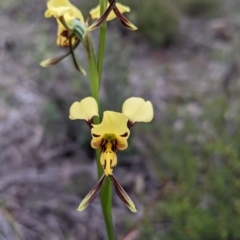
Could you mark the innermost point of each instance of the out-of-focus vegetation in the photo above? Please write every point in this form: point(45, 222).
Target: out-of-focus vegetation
point(159, 20)
point(182, 170)
point(200, 161)
point(201, 7)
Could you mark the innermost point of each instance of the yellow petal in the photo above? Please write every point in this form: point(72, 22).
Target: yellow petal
point(138, 110)
point(113, 126)
point(57, 3)
point(95, 12)
point(112, 122)
point(59, 8)
point(108, 160)
point(65, 3)
point(58, 12)
point(63, 34)
point(96, 142)
point(121, 144)
point(85, 109)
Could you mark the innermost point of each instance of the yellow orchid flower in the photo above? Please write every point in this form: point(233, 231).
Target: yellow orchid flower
point(109, 136)
point(63, 8)
point(68, 12)
point(84, 110)
point(72, 28)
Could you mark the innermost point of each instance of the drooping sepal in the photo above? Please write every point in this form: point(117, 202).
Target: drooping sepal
point(75, 62)
point(114, 10)
point(97, 23)
point(92, 194)
point(126, 23)
point(53, 61)
point(123, 195)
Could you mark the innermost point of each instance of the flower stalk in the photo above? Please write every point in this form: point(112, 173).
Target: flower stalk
point(106, 191)
point(93, 72)
point(102, 37)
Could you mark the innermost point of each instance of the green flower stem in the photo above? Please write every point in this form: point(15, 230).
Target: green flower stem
point(106, 191)
point(101, 46)
point(106, 201)
point(93, 72)
point(94, 82)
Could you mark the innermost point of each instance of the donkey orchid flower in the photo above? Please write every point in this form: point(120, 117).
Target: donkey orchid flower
point(63, 9)
point(72, 28)
point(109, 136)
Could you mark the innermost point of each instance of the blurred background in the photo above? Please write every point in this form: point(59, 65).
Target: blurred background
point(182, 170)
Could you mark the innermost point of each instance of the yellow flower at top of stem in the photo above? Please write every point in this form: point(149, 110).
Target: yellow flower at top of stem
point(72, 28)
point(68, 12)
point(65, 9)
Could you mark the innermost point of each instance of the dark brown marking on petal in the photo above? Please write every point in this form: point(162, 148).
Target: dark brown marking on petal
point(65, 33)
point(89, 123)
point(64, 43)
point(103, 145)
point(114, 144)
point(103, 149)
point(112, 167)
point(105, 164)
point(124, 135)
point(95, 135)
point(112, 147)
point(129, 124)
